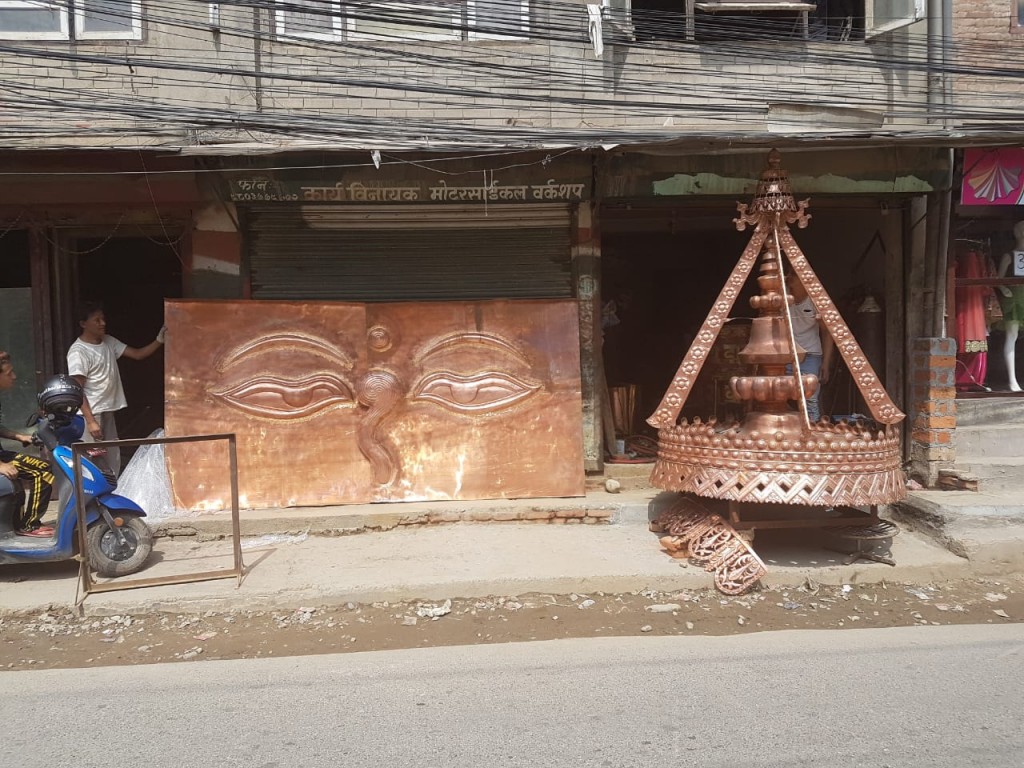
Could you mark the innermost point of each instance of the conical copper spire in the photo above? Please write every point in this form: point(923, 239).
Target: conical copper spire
point(775, 454)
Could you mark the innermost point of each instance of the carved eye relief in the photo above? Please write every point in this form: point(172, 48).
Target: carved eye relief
point(287, 342)
point(475, 393)
point(486, 342)
point(271, 397)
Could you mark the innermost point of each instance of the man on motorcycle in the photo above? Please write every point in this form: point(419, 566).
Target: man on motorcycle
point(18, 467)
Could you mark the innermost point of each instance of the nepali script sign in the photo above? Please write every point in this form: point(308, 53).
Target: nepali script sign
point(273, 190)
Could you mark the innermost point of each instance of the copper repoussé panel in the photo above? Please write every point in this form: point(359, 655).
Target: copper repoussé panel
point(344, 403)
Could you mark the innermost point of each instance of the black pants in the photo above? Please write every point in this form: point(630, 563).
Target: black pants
point(38, 481)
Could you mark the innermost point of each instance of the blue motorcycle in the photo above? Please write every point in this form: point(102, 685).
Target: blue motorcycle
point(118, 540)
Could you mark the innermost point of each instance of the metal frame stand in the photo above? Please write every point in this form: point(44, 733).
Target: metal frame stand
point(89, 586)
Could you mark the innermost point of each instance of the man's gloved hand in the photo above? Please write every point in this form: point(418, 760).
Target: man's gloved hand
point(162, 334)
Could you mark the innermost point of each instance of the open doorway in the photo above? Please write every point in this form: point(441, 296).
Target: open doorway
point(131, 276)
point(664, 265)
point(16, 324)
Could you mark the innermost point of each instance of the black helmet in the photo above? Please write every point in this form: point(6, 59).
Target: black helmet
point(61, 394)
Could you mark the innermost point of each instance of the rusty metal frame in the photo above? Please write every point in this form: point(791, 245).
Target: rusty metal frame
point(89, 586)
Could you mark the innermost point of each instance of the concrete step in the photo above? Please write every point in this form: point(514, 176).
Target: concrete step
point(996, 474)
point(630, 507)
point(989, 440)
point(979, 411)
point(985, 528)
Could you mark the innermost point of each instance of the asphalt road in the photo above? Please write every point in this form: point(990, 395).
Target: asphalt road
point(919, 696)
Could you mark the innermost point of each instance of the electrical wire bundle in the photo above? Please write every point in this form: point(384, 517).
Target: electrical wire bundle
point(497, 74)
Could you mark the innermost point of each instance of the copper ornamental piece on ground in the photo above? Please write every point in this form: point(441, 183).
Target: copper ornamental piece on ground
point(711, 542)
point(775, 454)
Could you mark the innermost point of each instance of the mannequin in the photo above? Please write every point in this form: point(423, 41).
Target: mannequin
point(1013, 306)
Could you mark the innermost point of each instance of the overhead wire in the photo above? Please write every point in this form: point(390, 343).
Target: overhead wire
point(381, 72)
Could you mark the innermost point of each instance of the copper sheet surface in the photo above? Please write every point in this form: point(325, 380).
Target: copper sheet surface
point(344, 403)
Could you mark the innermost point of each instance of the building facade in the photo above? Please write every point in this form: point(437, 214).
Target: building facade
point(469, 151)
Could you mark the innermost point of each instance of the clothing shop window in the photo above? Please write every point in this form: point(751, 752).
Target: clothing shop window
point(438, 20)
point(988, 309)
point(93, 20)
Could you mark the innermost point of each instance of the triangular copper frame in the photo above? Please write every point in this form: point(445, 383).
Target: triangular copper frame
point(882, 408)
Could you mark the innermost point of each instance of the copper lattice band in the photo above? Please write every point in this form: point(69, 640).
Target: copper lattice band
point(832, 465)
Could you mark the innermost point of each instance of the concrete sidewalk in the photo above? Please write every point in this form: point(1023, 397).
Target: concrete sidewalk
point(463, 559)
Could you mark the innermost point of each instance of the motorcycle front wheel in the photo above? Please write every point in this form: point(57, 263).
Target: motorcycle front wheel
point(109, 556)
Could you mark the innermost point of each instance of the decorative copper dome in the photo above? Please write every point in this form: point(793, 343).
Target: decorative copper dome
point(774, 454)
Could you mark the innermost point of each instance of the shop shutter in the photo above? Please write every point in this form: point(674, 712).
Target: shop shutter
point(409, 253)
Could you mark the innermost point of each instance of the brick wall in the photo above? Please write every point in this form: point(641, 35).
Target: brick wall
point(933, 415)
point(985, 36)
point(681, 88)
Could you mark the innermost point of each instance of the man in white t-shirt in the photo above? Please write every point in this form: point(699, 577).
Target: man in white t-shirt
point(92, 362)
point(808, 333)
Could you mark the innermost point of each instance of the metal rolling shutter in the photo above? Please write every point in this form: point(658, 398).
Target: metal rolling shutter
point(408, 253)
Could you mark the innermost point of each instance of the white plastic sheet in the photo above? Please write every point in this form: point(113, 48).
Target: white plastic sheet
point(146, 482)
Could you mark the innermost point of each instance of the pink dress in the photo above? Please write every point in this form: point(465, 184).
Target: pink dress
point(971, 326)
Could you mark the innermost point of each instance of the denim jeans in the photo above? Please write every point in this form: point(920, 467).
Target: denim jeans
point(810, 365)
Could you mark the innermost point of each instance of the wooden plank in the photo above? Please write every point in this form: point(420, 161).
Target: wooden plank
point(586, 261)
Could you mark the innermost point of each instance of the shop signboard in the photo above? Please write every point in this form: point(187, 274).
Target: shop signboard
point(457, 181)
point(993, 177)
point(266, 189)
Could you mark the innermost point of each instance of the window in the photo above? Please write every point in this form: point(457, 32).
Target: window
point(1017, 16)
point(883, 16)
point(108, 19)
point(499, 19)
point(404, 20)
point(48, 19)
point(317, 20)
point(33, 20)
point(730, 21)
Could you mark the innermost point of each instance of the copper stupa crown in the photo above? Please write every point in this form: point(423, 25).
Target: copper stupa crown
point(773, 191)
point(775, 453)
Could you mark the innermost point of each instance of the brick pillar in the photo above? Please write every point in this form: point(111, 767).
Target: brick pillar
point(215, 268)
point(933, 416)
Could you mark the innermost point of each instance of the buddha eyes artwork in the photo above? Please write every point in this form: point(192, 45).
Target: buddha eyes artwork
point(345, 403)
